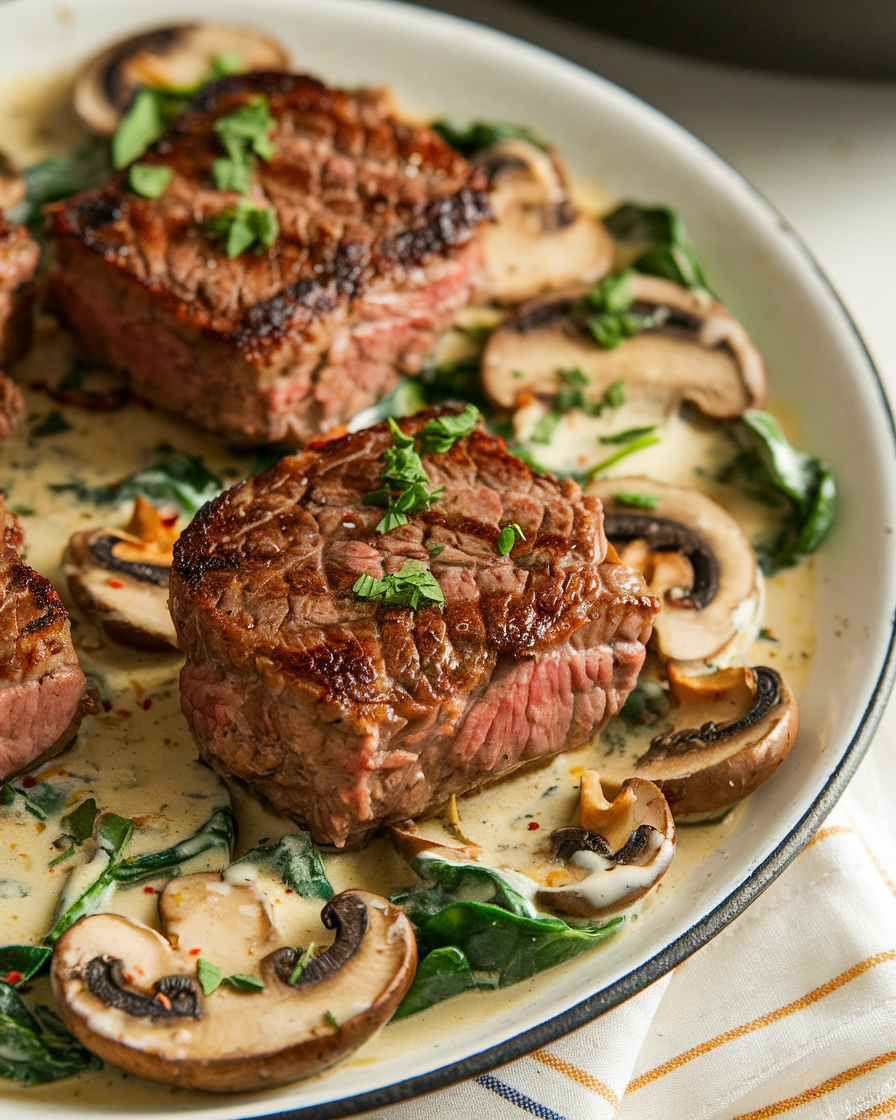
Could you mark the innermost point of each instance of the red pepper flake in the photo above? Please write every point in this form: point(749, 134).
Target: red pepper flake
point(532, 825)
point(163, 1000)
point(14, 977)
point(289, 890)
point(147, 703)
point(107, 705)
point(168, 520)
point(123, 712)
point(149, 890)
point(195, 952)
point(28, 782)
point(114, 583)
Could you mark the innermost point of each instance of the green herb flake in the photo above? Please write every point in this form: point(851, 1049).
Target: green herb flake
point(24, 511)
point(52, 425)
point(614, 396)
point(544, 430)
point(508, 537)
point(243, 226)
point(433, 549)
point(768, 636)
point(149, 180)
point(629, 449)
point(243, 134)
point(79, 822)
point(468, 139)
point(441, 434)
point(636, 500)
point(145, 121)
point(412, 587)
point(69, 851)
point(223, 65)
point(628, 435)
point(243, 982)
point(305, 958)
point(331, 1020)
point(209, 976)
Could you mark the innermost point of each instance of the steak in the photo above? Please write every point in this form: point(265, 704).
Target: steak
point(18, 260)
point(347, 715)
point(41, 683)
point(377, 249)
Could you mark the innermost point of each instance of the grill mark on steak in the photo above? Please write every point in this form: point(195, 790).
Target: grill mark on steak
point(347, 714)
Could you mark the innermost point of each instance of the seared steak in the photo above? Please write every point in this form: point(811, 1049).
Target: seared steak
point(347, 715)
point(18, 260)
point(377, 249)
point(41, 683)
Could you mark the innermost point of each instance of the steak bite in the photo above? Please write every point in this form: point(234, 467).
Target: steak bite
point(348, 715)
point(377, 248)
point(18, 260)
point(41, 683)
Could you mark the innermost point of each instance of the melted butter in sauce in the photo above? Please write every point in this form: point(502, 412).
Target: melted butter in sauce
point(138, 758)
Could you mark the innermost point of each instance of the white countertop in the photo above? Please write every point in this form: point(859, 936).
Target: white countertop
point(823, 151)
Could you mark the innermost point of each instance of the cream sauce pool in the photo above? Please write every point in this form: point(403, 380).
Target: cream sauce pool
point(137, 758)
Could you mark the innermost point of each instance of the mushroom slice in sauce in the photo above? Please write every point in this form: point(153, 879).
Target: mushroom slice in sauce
point(621, 850)
point(695, 558)
point(540, 240)
point(178, 57)
point(130, 994)
point(732, 729)
point(695, 351)
point(119, 578)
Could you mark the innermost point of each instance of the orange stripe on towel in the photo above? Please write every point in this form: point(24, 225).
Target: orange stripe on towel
point(580, 1076)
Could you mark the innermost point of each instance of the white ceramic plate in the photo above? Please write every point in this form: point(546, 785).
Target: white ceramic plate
point(818, 367)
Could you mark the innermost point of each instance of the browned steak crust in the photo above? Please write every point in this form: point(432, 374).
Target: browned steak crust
point(347, 715)
point(18, 260)
point(41, 682)
point(377, 249)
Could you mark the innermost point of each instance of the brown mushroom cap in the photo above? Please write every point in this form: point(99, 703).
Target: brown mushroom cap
point(695, 558)
point(696, 351)
point(732, 730)
point(119, 578)
point(177, 57)
point(539, 241)
point(129, 994)
point(622, 849)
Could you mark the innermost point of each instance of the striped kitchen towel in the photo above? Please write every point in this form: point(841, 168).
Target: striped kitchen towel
point(790, 1011)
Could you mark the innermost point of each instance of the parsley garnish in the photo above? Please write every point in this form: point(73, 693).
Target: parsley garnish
point(302, 963)
point(629, 449)
point(243, 982)
point(78, 825)
point(433, 549)
point(508, 537)
point(331, 1020)
point(244, 134)
point(412, 586)
point(472, 138)
point(407, 487)
point(149, 180)
point(211, 978)
point(570, 396)
point(638, 500)
point(611, 298)
point(244, 225)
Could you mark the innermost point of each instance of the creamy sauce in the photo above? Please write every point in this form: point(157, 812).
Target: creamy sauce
point(137, 758)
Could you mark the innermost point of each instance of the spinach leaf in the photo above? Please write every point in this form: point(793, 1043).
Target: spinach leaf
point(293, 859)
point(35, 1048)
point(21, 962)
point(473, 137)
point(42, 800)
point(183, 480)
point(441, 974)
point(454, 381)
point(444, 881)
point(58, 177)
point(772, 470)
point(658, 230)
point(89, 888)
point(219, 831)
point(79, 822)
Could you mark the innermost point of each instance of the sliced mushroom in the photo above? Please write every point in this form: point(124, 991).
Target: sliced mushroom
point(732, 729)
point(540, 240)
point(620, 851)
point(12, 185)
point(695, 351)
point(131, 995)
point(178, 58)
point(119, 578)
point(695, 558)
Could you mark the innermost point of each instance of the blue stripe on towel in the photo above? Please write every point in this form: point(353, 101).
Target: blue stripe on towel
point(514, 1096)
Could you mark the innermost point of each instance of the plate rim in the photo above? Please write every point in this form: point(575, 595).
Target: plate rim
point(764, 874)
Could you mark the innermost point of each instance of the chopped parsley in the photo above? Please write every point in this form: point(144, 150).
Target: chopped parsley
point(331, 1020)
point(149, 180)
point(637, 500)
point(628, 435)
point(244, 134)
point(245, 225)
point(508, 537)
point(407, 488)
point(610, 321)
point(211, 978)
point(243, 982)
point(629, 449)
point(472, 138)
point(433, 549)
point(305, 957)
point(413, 586)
point(569, 396)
